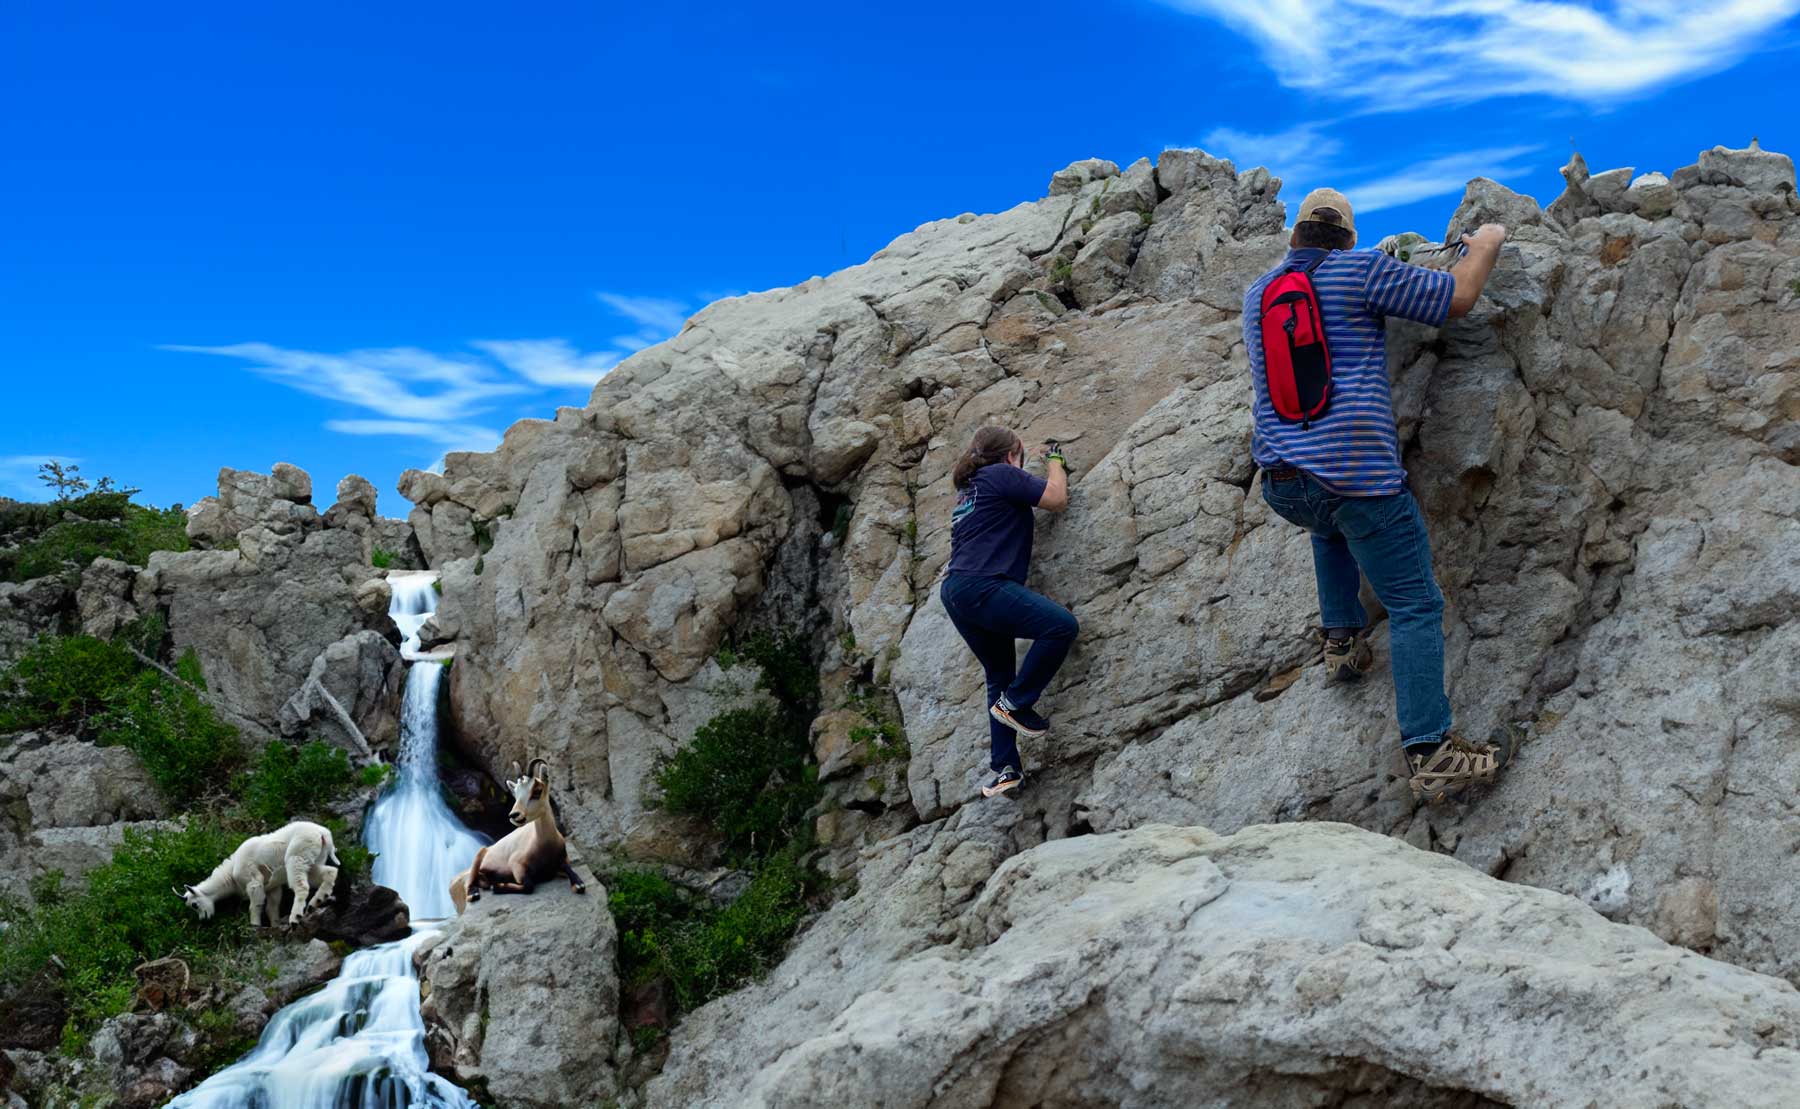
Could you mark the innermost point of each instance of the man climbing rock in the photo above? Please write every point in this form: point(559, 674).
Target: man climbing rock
point(1324, 436)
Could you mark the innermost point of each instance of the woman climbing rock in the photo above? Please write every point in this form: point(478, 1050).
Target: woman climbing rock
point(984, 588)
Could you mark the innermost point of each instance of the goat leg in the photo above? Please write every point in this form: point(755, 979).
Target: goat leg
point(327, 883)
point(575, 882)
point(475, 875)
point(253, 893)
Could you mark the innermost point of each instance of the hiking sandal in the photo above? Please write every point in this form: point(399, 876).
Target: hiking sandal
point(1453, 767)
point(1347, 660)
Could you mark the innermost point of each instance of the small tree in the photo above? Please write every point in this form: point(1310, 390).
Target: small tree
point(65, 479)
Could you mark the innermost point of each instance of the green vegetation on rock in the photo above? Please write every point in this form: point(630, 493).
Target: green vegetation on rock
point(80, 947)
point(63, 537)
point(748, 772)
point(706, 950)
point(84, 946)
point(749, 775)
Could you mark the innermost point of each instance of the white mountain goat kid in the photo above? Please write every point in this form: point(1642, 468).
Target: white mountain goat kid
point(299, 856)
point(533, 852)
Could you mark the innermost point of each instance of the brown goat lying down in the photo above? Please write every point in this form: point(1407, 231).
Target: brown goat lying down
point(533, 852)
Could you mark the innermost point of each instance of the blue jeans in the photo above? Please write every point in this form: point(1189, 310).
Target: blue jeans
point(990, 613)
point(1384, 538)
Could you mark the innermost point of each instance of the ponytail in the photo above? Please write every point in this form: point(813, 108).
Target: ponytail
point(992, 444)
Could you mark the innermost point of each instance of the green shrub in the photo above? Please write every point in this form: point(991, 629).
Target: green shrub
point(97, 525)
point(353, 857)
point(884, 739)
point(127, 915)
point(376, 775)
point(788, 673)
point(703, 950)
point(97, 688)
point(68, 680)
point(185, 748)
point(381, 559)
point(746, 774)
point(286, 781)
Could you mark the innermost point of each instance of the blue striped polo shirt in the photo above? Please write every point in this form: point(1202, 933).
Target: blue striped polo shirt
point(1353, 448)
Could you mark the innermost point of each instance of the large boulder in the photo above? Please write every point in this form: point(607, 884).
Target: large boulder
point(30, 609)
point(280, 500)
point(522, 997)
point(104, 597)
point(1298, 964)
point(65, 804)
point(363, 673)
point(259, 617)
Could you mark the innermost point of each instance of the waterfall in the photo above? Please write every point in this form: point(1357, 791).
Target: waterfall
point(359, 1043)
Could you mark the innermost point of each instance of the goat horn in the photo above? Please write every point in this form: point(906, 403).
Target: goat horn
point(532, 770)
point(176, 892)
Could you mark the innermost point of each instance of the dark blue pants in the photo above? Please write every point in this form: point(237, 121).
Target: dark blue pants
point(991, 613)
point(1383, 539)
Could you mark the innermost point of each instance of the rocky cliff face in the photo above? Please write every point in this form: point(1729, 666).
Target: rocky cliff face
point(1606, 451)
point(1292, 965)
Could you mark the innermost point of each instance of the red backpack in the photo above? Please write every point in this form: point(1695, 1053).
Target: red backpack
point(1295, 359)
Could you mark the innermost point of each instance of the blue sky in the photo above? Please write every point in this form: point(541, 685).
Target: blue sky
point(355, 236)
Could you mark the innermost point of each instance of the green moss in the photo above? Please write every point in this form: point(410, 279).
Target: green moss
point(381, 559)
point(377, 775)
point(840, 523)
point(1061, 271)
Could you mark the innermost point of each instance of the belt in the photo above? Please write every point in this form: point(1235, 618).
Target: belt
point(1280, 473)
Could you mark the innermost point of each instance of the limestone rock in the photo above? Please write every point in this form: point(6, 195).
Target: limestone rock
point(30, 609)
point(1287, 964)
point(280, 500)
point(65, 804)
point(521, 994)
point(104, 598)
point(258, 617)
point(364, 674)
point(1605, 450)
point(1073, 176)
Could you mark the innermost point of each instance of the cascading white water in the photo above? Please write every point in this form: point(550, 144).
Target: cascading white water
point(359, 1043)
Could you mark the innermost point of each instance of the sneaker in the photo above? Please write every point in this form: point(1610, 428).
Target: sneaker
point(1347, 660)
point(1455, 765)
point(1018, 719)
point(1002, 781)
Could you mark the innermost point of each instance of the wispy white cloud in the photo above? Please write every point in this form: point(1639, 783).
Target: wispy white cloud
point(18, 474)
point(1394, 55)
point(434, 397)
point(1299, 154)
point(551, 362)
point(1308, 155)
point(1438, 176)
point(400, 382)
point(655, 313)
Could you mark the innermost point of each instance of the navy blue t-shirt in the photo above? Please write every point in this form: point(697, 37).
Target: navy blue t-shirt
point(990, 528)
